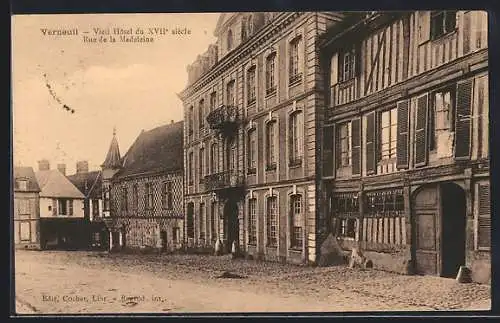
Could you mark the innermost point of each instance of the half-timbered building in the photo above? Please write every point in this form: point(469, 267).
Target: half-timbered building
point(251, 110)
point(405, 171)
point(142, 192)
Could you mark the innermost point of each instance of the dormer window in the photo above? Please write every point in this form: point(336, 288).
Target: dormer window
point(22, 184)
point(229, 40)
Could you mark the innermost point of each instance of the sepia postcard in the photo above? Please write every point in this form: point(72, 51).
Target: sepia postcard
point(250, 162)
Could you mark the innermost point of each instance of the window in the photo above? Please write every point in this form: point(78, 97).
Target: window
point(346, 209)
point(270, 145)
point(295, 74)
point(149, 196)
point(442, 22)
point(251, 85)
point(296, 210)
point(230, 93)
point(201, 164)
point(95, 207)
point(344, 133)
point(106, 199)
point(229, 40)
point(252, 221)
point(201, 107)
point(442, 116)
point(65, 206)
point(25, 231)
point(272, 221)
point(214, 158)
point(166, 197)
point(202, 221)
point(388, 132)
point(484, 217)
point(347, 62)
point(190, 168)
point(252, 151)
point(295, 139)
point(213, 101)
point(23, 207)
point(190, 120)
point(243, 29)
point(232, 154)
point(22, 184)
point(385, 203)
point(270, 81)
point(124, 199)
point(135, 196)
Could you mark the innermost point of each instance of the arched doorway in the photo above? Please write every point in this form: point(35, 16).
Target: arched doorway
point(439, 223)
point(231, 223)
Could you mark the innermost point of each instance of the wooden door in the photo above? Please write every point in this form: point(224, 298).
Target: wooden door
point(426, 230)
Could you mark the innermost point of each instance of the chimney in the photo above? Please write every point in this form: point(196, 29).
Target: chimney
point(62, 168)
point(43, 165)
point(82, 167)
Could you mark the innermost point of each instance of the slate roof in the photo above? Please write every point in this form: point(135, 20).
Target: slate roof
point(154, 151)
point(89, 183)
point(113, 159)
point(26, 173)
point(54, 184)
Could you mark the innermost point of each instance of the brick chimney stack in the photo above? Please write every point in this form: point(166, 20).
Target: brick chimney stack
point(62, 168)
point(82, 167)
point(43, 165)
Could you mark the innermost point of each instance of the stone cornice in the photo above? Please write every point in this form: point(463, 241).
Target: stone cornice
point(263, 35)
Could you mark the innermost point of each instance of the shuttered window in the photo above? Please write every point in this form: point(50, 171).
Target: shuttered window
point(463, 120)
point(370, 143)
point(388, 133)
point(328, 151)
point(421, 144)
point(403, 134)
point(356, 146)
point(484, 217)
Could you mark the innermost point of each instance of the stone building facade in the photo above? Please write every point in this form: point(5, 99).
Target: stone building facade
point(252, 108)
point(405, 171)
point(144, 194)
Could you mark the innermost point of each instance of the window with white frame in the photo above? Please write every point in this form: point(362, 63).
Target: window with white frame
point(252, 221)
point(272, 221)
point(295, 74)
point(442, 116)
point(270, 74)
point(295, 139)
point(65, 206)
point(296, 212)
point(95, 207)
point(252, 151)
point(388, 133)
point(271, 145)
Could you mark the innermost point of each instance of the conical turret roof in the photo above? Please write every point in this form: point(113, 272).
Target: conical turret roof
point(113, 159)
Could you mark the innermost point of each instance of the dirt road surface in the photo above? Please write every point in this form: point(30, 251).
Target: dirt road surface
point(57, 282)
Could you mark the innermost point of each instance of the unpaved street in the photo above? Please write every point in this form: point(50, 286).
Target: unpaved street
point(94, 282)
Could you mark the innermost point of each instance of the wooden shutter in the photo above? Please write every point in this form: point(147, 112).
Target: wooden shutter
point(356, 146)
point(329, 151)
point(403, 134)
point(484, 217)
point(424, 26)
point(421, 143)
point(370, 143)
point(463, 120)
point(54, 207)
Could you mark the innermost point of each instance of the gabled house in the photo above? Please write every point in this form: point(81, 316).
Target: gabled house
point(26, 209)
point(144, 189)
point(90, 184)
point(61, 211)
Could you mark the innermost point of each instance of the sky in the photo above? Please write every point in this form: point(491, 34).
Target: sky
point(130, 86)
